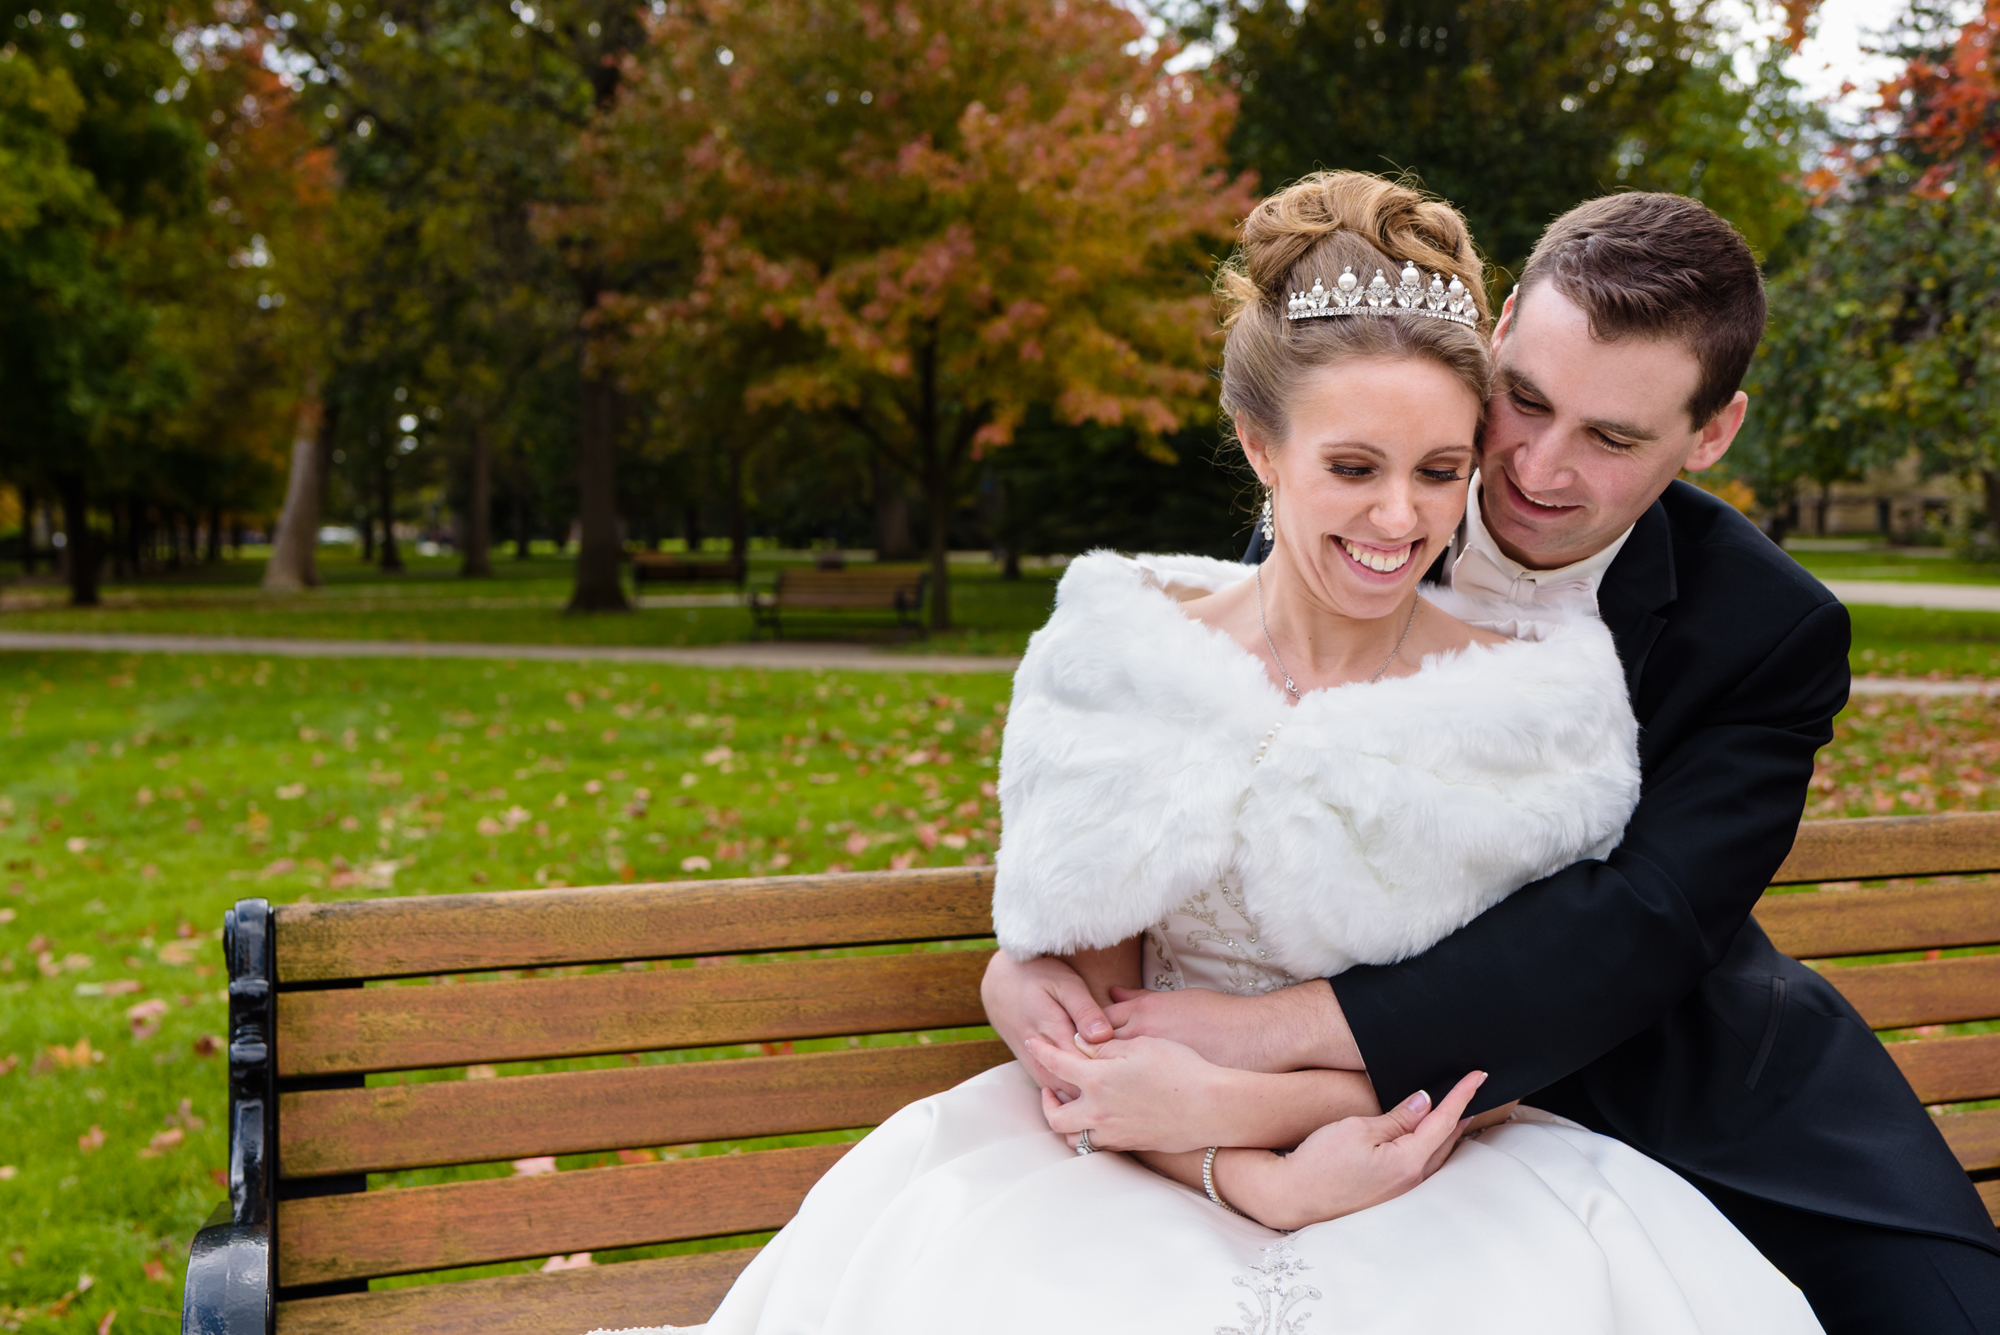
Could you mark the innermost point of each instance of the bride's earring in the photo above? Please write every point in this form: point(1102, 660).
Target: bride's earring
point(1267, 520)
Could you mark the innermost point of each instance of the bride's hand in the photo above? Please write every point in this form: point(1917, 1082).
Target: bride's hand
point(1136, 1094)
point(1349, 1165)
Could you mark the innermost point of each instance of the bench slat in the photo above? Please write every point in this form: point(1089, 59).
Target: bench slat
point(1989, 1192)
point(1876, 847)
point(1864, 922)
point(389, 938)
point(374, 1233)
point(574, 1112)
point(1951, 1070)
point(672, 1290)
point(1974, 1137)
point(1896, 996)
point(343, 1031)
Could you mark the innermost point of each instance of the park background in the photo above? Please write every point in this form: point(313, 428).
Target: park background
point(471, 307)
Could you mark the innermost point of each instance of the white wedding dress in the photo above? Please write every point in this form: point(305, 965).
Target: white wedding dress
point(1154, 782)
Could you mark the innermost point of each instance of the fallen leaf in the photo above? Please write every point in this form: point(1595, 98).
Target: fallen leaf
point(291, 792)
point(636, 1156)
point(145, 1017)
point(575, 1262)
point(479, 1073)
point(118, 987)
point(207, 1045)
point(157, 1273)
point(92, 1140)
point(695, 863)
point(8, 1172)
point(535, 1167)
point(163, 1141)
point(104, 1326)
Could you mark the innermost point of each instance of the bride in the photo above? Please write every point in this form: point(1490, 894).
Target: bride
point(1217, 781)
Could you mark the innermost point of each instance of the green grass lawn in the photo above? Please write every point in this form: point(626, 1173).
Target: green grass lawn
point(522, 604)
point(1922, 642)
point(1908, 564)
point(144, 795)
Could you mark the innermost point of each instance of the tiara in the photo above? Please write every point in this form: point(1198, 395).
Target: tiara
point(1409, 297)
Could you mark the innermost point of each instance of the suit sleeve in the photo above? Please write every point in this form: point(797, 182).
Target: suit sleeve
point(1570, 966)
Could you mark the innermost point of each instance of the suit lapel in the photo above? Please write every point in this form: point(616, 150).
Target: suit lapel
point(1639, 583)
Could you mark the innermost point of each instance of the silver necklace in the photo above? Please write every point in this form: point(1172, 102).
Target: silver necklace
point(1293, 690)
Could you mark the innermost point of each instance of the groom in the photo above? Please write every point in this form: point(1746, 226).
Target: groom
point(1636, 995)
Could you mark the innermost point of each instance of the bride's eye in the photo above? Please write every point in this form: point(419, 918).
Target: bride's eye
point(1442, 474)
point(1350, 470)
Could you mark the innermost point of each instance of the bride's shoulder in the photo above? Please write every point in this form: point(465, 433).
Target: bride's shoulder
point(1120, 625)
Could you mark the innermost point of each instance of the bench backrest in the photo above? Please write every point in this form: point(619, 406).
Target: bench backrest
point(860, 586)
point(1908, 1000)
point(379, 986)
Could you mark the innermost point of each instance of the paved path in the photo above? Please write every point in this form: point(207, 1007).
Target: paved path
point(1894, 593)
point(1902, 686)
point(780, 656)
point(777, 657)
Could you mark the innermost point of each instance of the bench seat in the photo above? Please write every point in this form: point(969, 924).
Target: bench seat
point(716, 1012)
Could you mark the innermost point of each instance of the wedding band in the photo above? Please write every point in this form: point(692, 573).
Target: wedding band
point(1083, 1145)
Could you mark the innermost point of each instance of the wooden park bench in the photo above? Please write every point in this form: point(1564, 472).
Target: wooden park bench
point(321, 997)
point(858, 589)
point(675, 568)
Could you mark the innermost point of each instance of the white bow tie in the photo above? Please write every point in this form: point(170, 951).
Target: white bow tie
point(1476, 572)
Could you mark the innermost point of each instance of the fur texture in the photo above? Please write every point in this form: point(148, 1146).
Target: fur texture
point(1382, 818)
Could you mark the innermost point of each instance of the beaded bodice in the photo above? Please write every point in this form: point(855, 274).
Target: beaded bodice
point(1211, 940)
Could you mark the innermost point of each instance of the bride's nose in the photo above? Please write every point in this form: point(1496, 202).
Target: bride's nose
point(1394, 512)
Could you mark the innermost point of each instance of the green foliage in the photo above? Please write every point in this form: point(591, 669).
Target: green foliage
point(1514, 111)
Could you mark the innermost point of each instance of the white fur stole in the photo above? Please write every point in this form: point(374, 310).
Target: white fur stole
point(1382, 818)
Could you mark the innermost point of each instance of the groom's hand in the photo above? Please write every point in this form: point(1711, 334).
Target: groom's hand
point(1292, 1029)
point(1043, 998)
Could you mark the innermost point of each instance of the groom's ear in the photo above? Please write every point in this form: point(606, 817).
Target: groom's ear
point(1505, 322)
point(1713, 440)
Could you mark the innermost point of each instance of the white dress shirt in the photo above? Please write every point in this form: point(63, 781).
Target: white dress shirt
point(1480, 567)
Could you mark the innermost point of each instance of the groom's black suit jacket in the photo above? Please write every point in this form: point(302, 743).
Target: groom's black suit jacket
point(1636, 995)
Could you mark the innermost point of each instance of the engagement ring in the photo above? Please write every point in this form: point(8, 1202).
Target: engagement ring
point(1083, 1145)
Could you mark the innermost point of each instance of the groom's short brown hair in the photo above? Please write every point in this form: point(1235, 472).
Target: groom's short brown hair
point(1655, 266)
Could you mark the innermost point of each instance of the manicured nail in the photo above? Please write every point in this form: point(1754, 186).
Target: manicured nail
point(1420, 1102)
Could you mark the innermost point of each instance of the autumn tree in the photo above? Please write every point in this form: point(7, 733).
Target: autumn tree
point(917, 221)
point(1885, 335)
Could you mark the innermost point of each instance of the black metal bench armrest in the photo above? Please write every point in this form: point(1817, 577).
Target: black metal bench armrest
point(228, 1278)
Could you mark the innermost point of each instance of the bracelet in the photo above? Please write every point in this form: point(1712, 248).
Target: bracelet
point(1208, 1180)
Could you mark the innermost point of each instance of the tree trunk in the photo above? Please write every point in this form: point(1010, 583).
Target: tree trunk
point(476, 535)
point(892, 514)
point(739, 519)
point(1991, 477)
point(392, 556)
point(122, 566)
point(937, 491)
point(79, 552)
point(598, 586)
point(520, 525)
point(214, 555)
point(691, 529)
point(27, 530)
point(294, 566)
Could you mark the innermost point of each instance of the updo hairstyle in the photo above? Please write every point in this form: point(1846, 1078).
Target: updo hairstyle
point(1309, 232)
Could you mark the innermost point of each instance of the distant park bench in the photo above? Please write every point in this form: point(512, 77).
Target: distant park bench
point(320, 997)
point(897, 590)
point(674, 568)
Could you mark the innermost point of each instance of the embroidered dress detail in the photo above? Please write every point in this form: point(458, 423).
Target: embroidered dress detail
point(1270, 1283)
